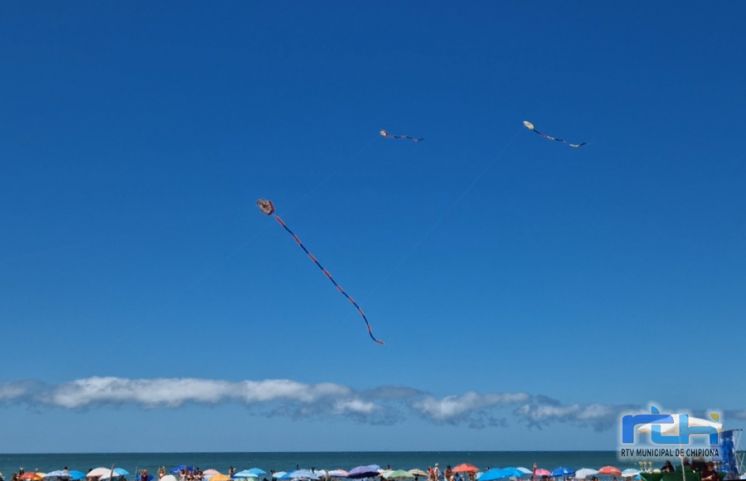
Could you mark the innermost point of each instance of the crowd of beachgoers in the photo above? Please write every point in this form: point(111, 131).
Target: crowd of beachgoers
point(462, 472)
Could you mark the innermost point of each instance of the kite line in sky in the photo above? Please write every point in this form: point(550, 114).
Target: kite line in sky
point(268, 208)
point(530, 126)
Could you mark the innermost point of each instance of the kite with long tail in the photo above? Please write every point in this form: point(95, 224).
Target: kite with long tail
point(530, 126)
point(268, 208)
point(388, 135)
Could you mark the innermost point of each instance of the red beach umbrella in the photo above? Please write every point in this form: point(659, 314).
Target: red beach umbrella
point(465, 468)
point(610, 471)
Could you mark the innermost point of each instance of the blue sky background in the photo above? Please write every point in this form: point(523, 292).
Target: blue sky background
point(136, 138)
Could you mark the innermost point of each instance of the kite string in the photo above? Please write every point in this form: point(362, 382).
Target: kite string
point(416, 246)
point(328, 276)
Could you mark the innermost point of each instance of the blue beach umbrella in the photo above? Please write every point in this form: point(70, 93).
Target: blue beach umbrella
point(513, 472)
point(494, 474)
point(279, 474)
point(60, 473)
point(562, 471)
point(368, 471)
point(257, 472)
point(303, 474)
point(77, 475)
point(245, 474)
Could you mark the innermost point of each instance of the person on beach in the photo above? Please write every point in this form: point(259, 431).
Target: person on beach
point(448, 475)
point(667, 467)
point(709, 473)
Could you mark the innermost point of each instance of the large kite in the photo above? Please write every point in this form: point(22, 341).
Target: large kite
point(388, 135)
point(530, 126)
point(268, 208)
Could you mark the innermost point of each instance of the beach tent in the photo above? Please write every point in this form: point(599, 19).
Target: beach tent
point(584, 473)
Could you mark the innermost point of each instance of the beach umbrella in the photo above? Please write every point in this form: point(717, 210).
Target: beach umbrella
point(399, 474)
point(30, 476)
point(584, 473)
point(60, 473)
point(542, 472)
point(258, 472)
point(117, 473)
point(513, 472)
point(465, 468)
point(98, 472)
point(630, 473)
point(562, 471)
point(525, 471)
point(279, 474)
point(246, 473)
point(168, 477)
point(216, 477)
point(338, 473)
point(610, 471)
point(368, 471)
point(495, 473)
point(303, 474)
point(417, 472)
point(181, 467)
point(210, 472)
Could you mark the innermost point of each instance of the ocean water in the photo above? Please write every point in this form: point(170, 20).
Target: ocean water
point(289, 461)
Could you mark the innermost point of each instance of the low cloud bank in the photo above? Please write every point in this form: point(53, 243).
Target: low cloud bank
point(288, 398)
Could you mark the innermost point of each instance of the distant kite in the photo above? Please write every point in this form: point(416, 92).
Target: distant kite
point(268, 208)
point(388, 135)
point(531, 127)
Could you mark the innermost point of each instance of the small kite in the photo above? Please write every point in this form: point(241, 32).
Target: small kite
point(388, 135)
point(531, 127)
point(268, 208)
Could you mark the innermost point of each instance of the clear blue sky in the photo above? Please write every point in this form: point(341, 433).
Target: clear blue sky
point(136, 138)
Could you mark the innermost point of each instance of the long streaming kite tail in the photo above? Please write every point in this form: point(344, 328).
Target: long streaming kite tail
point(328, 276)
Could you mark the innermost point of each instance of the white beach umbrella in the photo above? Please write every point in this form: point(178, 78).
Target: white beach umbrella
point(585, 473)
point(98, 473)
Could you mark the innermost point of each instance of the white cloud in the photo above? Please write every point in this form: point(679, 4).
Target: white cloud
point(453, 408)
point(294, 399)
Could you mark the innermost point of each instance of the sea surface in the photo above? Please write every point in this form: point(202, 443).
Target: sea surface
point(326, 460)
